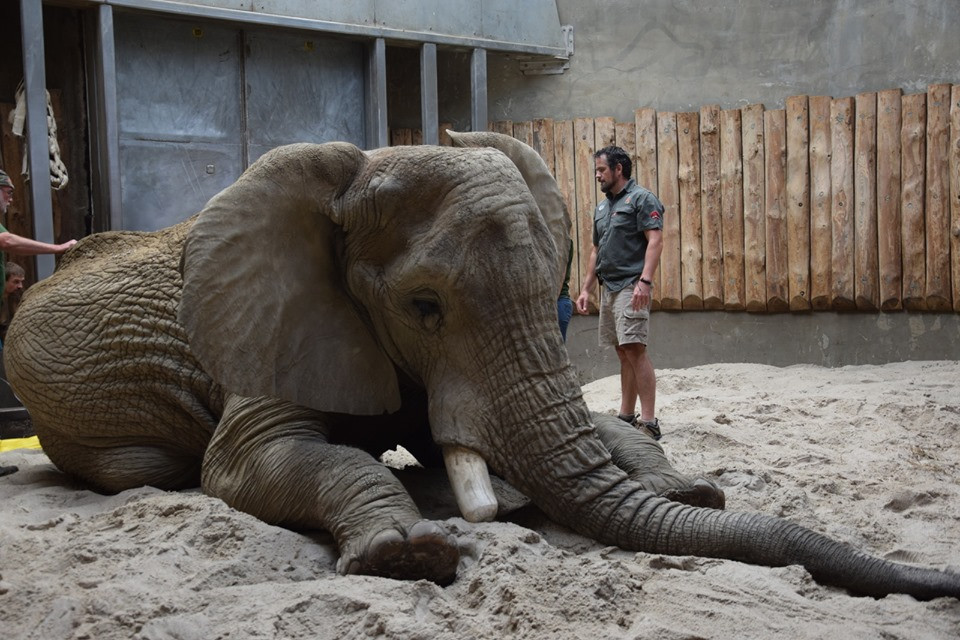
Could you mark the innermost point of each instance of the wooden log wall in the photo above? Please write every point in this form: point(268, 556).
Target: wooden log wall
point(843, 204)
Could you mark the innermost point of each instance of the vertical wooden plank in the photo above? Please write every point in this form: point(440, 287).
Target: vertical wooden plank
point(841, 206)
point(754, 224)
point(564, 171)
point(645, 170)
point(625, 137)
point(585, 185)
point(820, 200)
point(888, 199)
point(57, 197)
point(401, 137)
point(775, 194)
point(502, 126)
point(443, 136)
point(913, 169)
point(416, 137)
point(688, 175)
point(710, 207)
point(523, 131)
point(954, 162)
point(543, 143)
point(731, 198)
point(669, 193)
point(938, 198)
point(604, 135)
point(865, 264)
point(798, 202)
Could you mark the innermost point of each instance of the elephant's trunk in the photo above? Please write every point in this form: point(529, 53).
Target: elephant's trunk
point(643, 522)
point(569, 474)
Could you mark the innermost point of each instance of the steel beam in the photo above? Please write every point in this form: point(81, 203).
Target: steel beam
point(377, 134)
point(410, 37)
point(105, 136)
point(38, 147)
point(429, 109)
point(478, 90)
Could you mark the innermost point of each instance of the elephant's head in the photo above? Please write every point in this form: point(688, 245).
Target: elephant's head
point(443, 264)
point(325, 274)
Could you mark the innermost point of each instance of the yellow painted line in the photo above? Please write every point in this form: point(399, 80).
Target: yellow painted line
point(12, 444)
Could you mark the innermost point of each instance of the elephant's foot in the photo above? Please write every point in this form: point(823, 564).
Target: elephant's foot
point(424, 552)
point(703, 493)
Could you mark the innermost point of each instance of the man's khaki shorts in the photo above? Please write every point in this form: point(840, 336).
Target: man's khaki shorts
point(619, 323)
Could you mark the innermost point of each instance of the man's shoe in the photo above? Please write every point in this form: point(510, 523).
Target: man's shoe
point(5, 471)
point(629, 418)
point(652, 427)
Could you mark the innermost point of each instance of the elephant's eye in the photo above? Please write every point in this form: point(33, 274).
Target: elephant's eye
point(429, 311)
point(427, 307)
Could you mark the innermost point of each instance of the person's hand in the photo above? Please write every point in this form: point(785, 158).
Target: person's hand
point(582, 302)
point(66, 245)
point(641, 296)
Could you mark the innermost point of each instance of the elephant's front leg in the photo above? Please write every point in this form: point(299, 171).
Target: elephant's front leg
point(272, 459)
point(643, 459)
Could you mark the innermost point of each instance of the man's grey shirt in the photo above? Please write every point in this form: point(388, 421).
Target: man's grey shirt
point(619, 223)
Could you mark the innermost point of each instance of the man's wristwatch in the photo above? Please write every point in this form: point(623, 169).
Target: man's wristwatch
point(646, 282)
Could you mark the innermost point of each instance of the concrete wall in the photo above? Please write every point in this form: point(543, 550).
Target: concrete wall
point(689, 339)
point(682, 54)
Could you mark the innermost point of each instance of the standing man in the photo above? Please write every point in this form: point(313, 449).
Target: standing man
point(627, 242)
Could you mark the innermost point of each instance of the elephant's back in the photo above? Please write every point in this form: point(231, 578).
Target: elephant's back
point(96, 349)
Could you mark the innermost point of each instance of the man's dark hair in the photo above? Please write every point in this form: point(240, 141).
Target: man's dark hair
point(617, 156)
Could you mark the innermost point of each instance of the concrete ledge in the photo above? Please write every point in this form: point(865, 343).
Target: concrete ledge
point(692, 338)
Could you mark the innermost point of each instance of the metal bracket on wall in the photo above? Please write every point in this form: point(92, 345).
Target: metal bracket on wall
point(530, 66)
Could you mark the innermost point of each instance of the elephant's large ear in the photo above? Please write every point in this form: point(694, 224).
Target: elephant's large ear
point(539, 180)
point(264, 305)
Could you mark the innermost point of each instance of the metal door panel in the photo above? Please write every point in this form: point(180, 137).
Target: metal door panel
point(303, 89)
point(167, 182)
point(187, 130)
point(180, 117)
point(177, 80)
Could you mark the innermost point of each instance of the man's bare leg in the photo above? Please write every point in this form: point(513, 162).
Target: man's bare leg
point(628, 385)
point(633, 356)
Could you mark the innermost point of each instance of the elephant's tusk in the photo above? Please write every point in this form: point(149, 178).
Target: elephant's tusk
point(471, 484)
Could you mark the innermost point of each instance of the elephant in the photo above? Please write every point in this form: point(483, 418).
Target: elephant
point(333, 303)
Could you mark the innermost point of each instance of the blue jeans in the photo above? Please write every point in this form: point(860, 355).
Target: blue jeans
point(564, 313)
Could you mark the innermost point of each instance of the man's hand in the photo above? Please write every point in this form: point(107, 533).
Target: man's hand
point(641, 296)
point(582, 301)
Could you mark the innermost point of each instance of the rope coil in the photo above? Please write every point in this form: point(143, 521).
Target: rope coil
point(58, 171)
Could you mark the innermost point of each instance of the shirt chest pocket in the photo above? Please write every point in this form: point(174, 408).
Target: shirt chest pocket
point(623, 222)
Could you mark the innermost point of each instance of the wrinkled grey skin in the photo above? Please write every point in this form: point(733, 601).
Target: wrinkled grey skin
point(332, 304)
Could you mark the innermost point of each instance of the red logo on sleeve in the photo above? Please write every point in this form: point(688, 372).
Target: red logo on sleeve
point(655, 215)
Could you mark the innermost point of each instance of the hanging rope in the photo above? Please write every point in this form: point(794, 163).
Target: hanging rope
point(58, 171)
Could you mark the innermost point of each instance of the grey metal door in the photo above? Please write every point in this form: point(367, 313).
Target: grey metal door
point(198, 102)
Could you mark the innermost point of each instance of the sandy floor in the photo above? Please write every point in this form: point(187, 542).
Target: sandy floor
point(868, 455)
